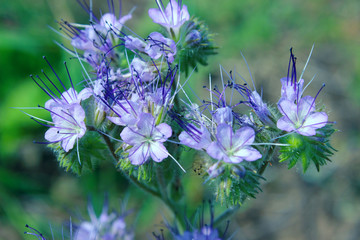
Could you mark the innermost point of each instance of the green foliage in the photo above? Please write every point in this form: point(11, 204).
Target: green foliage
point(315, 149)
point(142, 172)
point(196, 45)
point(233, 189)
point(91, 150)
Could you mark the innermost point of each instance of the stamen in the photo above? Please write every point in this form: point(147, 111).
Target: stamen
point(54, 73)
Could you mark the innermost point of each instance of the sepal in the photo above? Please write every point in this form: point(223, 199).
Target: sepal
point(195, 45)
point(236, 184)
point(315, 149)
point(84, 157)
point(142, 172)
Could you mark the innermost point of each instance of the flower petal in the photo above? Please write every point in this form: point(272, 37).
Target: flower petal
point(248, 153)
point(165, 130)
point(139, 154)
point(285, 124)
point(288, 109)
point(68, 142)
point(305, 107)
point(224, 135)
point(157, 16)
point(130, 136)
point(52, 135)
point(146, 124)
point(158, 152)
point(215, 151)
point(243, 136)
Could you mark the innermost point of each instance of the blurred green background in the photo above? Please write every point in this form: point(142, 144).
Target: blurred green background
point(325, 205)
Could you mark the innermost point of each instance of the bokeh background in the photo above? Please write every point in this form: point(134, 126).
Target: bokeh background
point(293, 205)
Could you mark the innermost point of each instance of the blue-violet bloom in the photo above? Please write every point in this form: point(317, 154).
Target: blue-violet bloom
point(301, 117)
point(146, 140)
point(233, 147)
point(173, 17)
point(158, 46)
point(69, 125)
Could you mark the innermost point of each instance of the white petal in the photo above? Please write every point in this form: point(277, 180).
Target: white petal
point(158, 152)
point(139, 154)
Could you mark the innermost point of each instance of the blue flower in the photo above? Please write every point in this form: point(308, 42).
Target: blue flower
point(159, 46)
point(68, 116)
point(146, 140)
point(68, 125)
point(299, 113)
point(201, 232)
point(172, 18)
point(105, 227)
point(233, 147)
point(108, 226)
point(301, 117)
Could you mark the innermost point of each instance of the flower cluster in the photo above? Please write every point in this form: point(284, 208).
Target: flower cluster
point(107, 226)
point(131, 110)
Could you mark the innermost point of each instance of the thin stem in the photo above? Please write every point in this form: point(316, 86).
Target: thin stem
point(263, 167)
point(165, 197)
point(128, 176)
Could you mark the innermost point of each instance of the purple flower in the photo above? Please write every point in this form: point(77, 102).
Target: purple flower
point(142, 70)
point(299, 113)
point(173, 17)
point(255, 101)
point(223, 115)
point(69, 125)
point(134, 43)
point(158, 46)
point(68, 97)
point(67, 114)
point(86, 39)
point(290, 90)
point(194, 137)
point(127, 113)
point(195, 230)
point(146, 140)
point(233, 147)
point(105, 227)
point(301, 117)
point(110, 22)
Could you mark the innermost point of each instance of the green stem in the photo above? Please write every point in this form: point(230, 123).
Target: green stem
point(175, 208)
point(128, 176)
